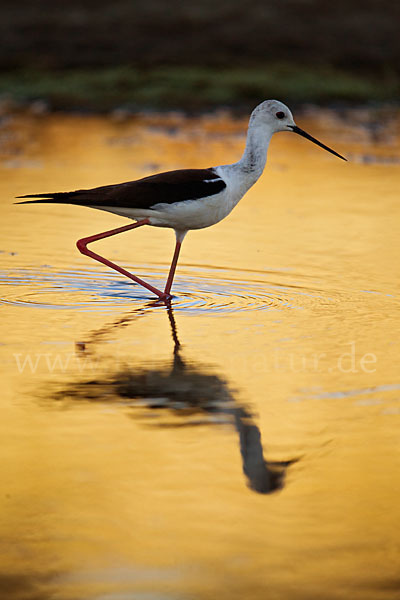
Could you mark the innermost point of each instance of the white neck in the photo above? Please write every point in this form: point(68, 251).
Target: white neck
point(250, 167)
point(255, 154)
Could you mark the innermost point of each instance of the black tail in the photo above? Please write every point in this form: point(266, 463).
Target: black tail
point(53, 197)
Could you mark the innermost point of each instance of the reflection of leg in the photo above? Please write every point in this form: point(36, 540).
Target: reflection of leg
point(254, 466)
point(174, 330)
point(82, 247)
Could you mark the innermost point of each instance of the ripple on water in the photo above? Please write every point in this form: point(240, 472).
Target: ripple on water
point(212, 290)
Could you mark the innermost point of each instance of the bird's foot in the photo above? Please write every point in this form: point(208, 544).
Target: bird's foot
point(166, 297)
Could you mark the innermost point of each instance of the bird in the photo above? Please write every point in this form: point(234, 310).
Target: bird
point(184, 199)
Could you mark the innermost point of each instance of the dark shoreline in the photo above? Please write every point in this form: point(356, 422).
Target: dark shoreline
point(194, 57)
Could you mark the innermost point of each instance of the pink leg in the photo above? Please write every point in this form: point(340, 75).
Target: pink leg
point(82, 247)
point(172, 268)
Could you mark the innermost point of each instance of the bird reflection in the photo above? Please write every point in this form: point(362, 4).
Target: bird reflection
point(189, 393)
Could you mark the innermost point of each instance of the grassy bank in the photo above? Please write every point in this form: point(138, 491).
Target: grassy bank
point(192, 88)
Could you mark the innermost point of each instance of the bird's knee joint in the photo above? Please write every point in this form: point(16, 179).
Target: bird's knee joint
point(82, 245)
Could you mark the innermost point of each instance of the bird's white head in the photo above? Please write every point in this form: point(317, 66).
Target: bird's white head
point(274, 116)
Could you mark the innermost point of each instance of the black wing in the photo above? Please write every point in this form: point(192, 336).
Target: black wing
point(169, 187)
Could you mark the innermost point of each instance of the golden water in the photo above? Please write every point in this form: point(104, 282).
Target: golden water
point(258, 459)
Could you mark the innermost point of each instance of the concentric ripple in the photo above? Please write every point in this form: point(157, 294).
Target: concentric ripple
point(211, 290)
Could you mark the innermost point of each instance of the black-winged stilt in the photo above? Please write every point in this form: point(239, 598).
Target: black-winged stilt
point(185, 199)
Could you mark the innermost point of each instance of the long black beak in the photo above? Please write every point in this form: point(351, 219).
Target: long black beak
point(310, 137)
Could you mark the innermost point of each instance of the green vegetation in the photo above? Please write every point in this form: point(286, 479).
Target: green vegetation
point(192, 88)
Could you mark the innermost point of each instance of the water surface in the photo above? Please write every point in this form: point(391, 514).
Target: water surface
point(244, 443)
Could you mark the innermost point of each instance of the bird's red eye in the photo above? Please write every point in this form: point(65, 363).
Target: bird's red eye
point(280, 115)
